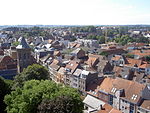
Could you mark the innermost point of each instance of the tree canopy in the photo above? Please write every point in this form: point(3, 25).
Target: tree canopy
point(4, 89)
point(41, 96)
point(35, 71)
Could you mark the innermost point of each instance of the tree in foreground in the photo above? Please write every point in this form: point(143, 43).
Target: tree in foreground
point(4, 89)
point(43, 97)
point(35, 71)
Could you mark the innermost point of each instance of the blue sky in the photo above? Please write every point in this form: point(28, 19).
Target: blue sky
point(74, 12)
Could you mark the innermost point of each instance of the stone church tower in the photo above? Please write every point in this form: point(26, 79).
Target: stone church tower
point(23, 55)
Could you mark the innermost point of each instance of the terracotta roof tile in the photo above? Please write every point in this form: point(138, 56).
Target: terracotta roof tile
point(146, 104)
point(116, 58)
point(130, 88)
point(92, 61)
point(133, 62)
point(145, 65)
point(72, 65)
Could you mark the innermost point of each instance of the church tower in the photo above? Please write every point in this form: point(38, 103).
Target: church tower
point(23, 55)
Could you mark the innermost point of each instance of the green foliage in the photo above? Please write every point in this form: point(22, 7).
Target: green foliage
point(130, 55)
point(15, 44)
point(34, 71)
point(125, 39)
point(147, 58)
point(101, 39)
point(67, 51)
point(43, 95)
point(72, 39)
point(89, 29)
point(29, 32)
point(4, 89)
point(103, 53)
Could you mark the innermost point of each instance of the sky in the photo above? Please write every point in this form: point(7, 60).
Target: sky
point(74, 12)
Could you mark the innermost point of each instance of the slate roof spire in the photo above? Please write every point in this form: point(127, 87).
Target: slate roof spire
point(23, 44)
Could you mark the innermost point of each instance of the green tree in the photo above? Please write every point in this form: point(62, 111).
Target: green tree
point(130, 55)
point(101, 39)
point(40, 96)
point(35, 71)
point(15, 44)
point(4, 89)
point(103, 53)
point(147, 58)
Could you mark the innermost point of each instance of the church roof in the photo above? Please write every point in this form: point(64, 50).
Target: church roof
point(23, 44)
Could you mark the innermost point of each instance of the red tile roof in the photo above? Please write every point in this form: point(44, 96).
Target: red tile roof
point(146, 104)
point(131, 89)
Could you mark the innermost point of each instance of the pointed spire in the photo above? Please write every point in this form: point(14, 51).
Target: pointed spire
point(23, 44)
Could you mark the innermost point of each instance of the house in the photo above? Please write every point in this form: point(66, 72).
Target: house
point(5, 45)
point(139, 77)
point(92, 104)
point(72, 45)
point(92, 61)
point(60, 75)
point(43, 60)
point(39, 53)
point(133, 63)
point(8, 67)
point(144, 107)
point(78, 53)
point(53, 69)
point(88, 42)
point(57, 53)
point(123, 94)
point(123, 72)
point(38, 40)
point(104, 67)
point(82, 79)
point(118, 60)
point(76, 78)
point(70, 69)
point(145, 67)
point(6, 62)
point(13, 52)
point(113, 51)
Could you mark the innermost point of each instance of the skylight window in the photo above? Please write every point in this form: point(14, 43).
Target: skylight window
point(134, 97)
point(113, 90)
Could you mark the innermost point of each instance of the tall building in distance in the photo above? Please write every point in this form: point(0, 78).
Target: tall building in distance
point(23, 55)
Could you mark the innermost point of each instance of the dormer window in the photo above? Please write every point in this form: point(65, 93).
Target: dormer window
point(113, 90)
point(134, 97)
point(68, 70)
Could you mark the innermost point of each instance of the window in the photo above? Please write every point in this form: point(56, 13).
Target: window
point(131, 108)
point(134, 97)
point(110, 99)
point(19, 56)
point(113, 90)
point(24, 56)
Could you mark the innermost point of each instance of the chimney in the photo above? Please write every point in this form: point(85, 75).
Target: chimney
point(101, 107)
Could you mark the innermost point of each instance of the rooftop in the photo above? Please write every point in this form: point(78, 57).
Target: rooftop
point(23, 44)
